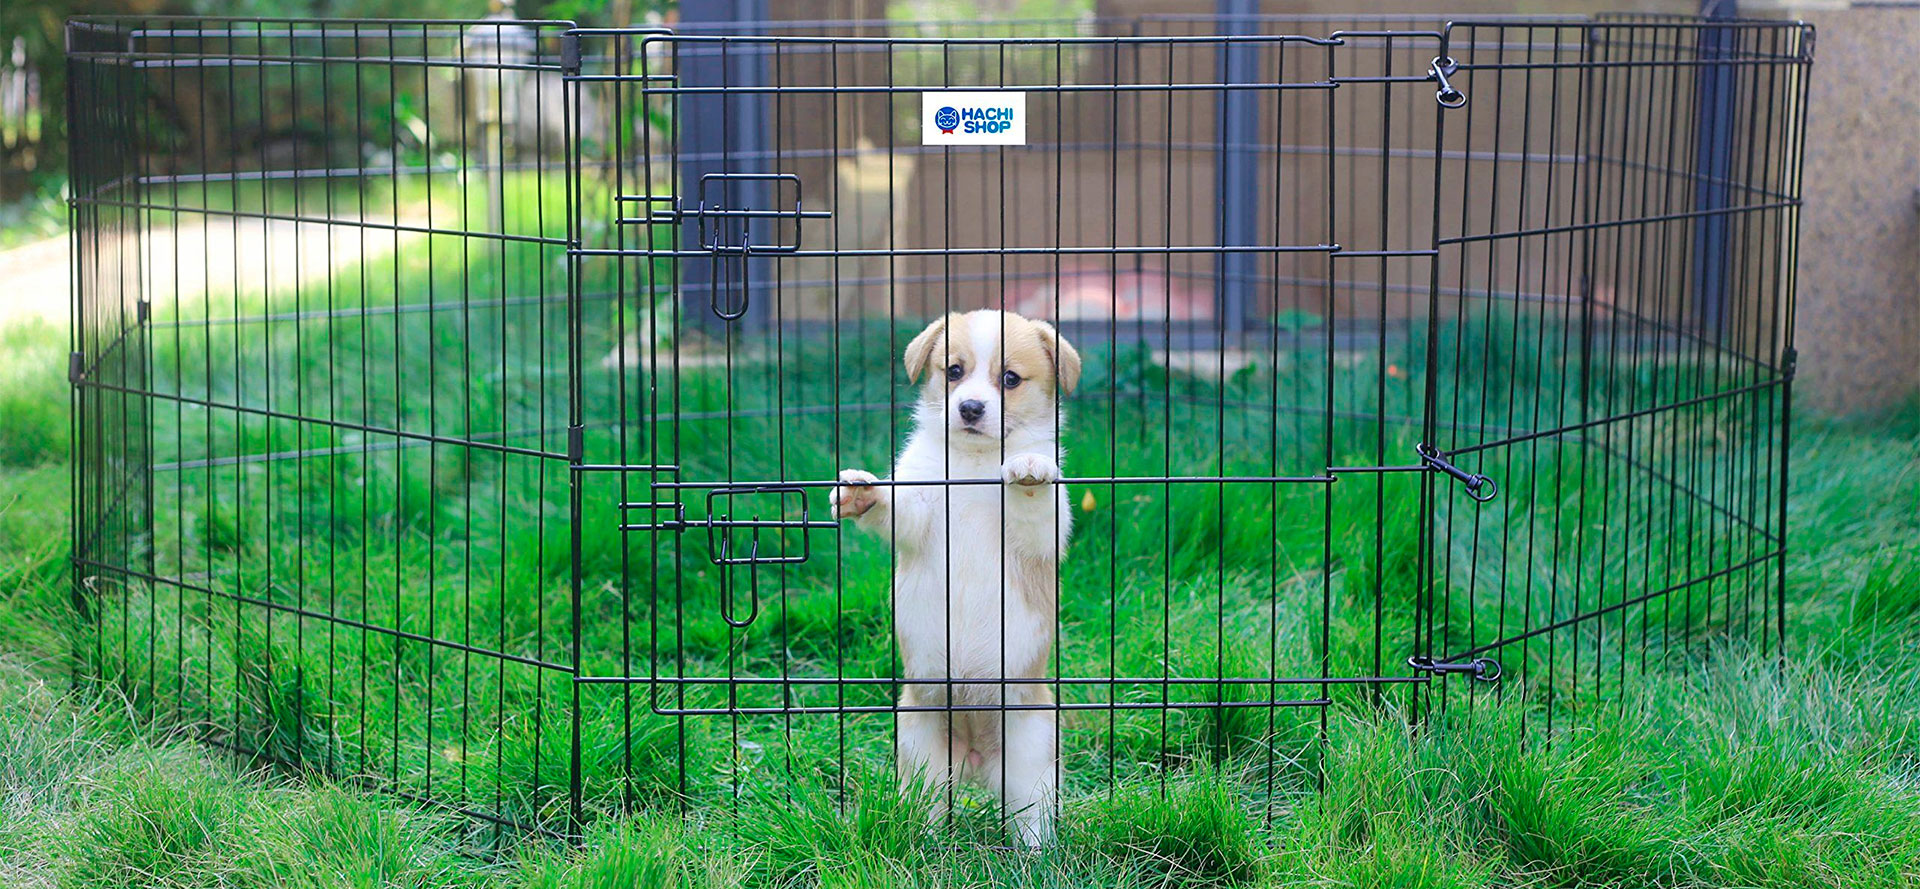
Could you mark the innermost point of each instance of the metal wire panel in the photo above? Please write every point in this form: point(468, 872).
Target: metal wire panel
point(458, 403)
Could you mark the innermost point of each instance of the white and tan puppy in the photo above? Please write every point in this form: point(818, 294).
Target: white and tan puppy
point(976, 592)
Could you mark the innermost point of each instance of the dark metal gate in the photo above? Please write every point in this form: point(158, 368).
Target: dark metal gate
point(763, 311)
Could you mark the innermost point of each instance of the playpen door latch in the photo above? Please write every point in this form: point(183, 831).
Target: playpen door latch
point(1485, 669)
point(733, 214)
point(1479, 487)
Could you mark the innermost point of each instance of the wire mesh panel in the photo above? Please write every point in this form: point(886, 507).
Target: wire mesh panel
point(321, 375)
point(1628, 276)
point(468, 408)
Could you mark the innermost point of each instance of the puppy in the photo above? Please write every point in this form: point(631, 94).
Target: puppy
point(975, 593)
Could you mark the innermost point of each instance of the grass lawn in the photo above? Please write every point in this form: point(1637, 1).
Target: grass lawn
point(1720, 767)
point(1728, 773)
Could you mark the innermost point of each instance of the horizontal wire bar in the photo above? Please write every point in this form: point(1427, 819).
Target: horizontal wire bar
point(1563, 623)
point(322, 220)
point(163, 60)
point(91, 383)
point(1592, 64)
point(321, 616)
point(978, 682)
point(1006, 708)
point(1616, 418)
point(658, 35)
point(374, 172)
point(377, 310)
point(772, 487)
point(1674, 485)
point(1040, 88)
point(1263, 148)
point(1617, 223)
point(771, 251)
point(133, 18)
point(347, 450)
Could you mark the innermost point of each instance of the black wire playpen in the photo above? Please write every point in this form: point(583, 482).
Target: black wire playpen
point(461, 407)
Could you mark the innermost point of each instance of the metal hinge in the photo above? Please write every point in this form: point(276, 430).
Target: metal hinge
point(76, 368)
point(569, 54)
point(1485, 669)
point(1479, 487)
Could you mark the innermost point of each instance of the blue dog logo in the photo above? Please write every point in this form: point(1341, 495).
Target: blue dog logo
point(947, 119)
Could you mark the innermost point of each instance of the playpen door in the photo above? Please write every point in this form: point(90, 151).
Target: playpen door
point(771, 219)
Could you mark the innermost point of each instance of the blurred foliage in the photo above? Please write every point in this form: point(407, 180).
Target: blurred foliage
point(36, 173)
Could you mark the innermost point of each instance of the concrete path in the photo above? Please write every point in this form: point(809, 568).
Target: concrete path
point(191, 259)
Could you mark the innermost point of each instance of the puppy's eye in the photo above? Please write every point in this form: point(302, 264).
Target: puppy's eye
point(955, 372)
point(1009, 380)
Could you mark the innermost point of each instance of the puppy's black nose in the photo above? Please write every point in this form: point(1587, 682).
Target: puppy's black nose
point(972, 409)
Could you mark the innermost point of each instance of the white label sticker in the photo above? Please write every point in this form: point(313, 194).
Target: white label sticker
point(975, 118)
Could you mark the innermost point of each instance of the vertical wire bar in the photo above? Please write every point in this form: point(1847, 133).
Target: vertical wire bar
point(1271, 740)
point(778, 372)
point(1430, 411)
point(1057, 767)
point(467, 506)
point(999, 367)
point(240, 423)
point(576, 479)
point(837, 446)
point(568, 159)
point(1667, 308)
point(433, 429)
point(1462, 326)
point(366, 402)
point(181, 562)
point(333, 419)
point(1235, 274)
point(143, 468)
point(1329, 289)
point(501, 585)
point(623, 63)
point(894, 662)
point(1166, 492)
point(1785, 303)
point(1113, 403)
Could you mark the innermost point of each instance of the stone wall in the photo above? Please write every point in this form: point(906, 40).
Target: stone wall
point(1858, 322)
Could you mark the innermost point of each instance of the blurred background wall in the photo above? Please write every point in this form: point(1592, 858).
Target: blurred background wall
point(1858, 320)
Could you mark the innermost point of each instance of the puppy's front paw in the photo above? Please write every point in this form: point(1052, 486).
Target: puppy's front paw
point(1031, 470)
point(855, 495)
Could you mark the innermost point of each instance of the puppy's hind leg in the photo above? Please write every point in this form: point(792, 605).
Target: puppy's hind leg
point(924, 753)
point(1031, 773)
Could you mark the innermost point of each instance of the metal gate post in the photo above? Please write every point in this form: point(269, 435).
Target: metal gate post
point(1238, 127)
point(725, 132)
point(1713, 157)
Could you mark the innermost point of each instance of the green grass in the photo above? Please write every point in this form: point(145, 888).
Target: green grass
point(1695, 761)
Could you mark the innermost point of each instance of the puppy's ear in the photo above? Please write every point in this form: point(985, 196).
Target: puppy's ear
point(1066, 360)
point(921, 351)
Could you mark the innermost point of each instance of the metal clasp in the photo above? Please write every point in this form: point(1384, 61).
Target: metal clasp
point(1483, 669)
point(1479, 487)
point(1441, 69)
